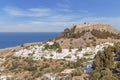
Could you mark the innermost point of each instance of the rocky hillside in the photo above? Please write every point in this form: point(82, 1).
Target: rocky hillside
point(87, 35)
point(66, 56)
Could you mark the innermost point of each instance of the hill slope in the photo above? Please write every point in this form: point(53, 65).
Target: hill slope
point(85, 35)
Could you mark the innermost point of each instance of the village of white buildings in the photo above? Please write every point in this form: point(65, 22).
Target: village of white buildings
point(38, 52)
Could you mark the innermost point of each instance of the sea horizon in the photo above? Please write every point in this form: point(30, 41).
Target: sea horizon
point(12, 39)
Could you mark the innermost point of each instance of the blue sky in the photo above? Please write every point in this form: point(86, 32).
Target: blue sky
point(55, 15)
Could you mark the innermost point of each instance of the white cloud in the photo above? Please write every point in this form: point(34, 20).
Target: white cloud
point(35, 26)
point(40, 26)
point(32, 12)
point(47, 14)
point(50, 20)
point(55, 26)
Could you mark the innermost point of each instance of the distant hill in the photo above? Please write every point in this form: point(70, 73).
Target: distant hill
point(87, 35)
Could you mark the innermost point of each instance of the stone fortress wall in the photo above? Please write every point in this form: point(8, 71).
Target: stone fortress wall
point(96, 26)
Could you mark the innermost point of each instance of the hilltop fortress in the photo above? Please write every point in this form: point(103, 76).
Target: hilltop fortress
point(96, 26)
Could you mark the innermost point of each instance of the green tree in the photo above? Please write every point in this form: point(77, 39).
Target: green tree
point(104, 59)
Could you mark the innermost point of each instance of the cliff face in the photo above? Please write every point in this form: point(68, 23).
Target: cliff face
point(87, 35)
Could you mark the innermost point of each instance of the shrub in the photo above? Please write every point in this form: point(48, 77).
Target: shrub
point(95, 76)
point(79, 49)
point(52, 47)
